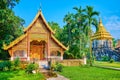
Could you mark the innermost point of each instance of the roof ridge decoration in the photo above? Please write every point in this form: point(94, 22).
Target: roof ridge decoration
point(36, 17)
point(102, 33)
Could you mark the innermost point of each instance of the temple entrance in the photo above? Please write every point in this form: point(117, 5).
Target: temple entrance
point(37, 50)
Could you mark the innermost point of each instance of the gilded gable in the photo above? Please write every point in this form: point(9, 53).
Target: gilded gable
point(38, 27)
point(22, 45)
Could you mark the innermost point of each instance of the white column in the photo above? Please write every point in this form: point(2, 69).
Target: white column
point(28, 58)
point(85, 60)
point(11, 58)
point(61, 57)
point(49, 57)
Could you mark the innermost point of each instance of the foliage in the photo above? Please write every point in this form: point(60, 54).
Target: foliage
point(77, 31)
point(111, 60)
point(20, 75)
point(31, 67)
point(57, 67)
point(5, 65)
point(114, 41)
point(105, 58)
point(10, 65)
point(10, 25)
point(17, 62)
point(58, 30)
point(90, 73)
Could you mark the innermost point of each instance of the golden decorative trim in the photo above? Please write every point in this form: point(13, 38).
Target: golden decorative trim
point(36, 17)
point(59, 43)
point(15, 42)
point(101, 34)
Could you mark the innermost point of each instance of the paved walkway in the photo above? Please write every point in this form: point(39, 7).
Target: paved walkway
point(59, 77)
point(108, 67)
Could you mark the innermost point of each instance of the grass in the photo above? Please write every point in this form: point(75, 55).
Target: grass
point(90, 73)
point(107, 64)
point(20, 75)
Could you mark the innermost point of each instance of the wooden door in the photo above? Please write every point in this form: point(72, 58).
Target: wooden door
point(36, 52)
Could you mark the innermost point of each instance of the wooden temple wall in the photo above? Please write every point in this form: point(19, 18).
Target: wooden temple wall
point(54, 49)
point(20, 46)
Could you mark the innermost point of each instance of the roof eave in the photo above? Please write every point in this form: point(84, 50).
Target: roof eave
point(36, 17)
point(60, 44)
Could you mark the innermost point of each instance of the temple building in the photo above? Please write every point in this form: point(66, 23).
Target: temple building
point(37, 42)
point(102, 43)
point(118, 46)
point(118, 43)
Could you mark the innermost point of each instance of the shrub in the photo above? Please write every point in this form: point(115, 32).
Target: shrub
point(17, 62)
point(53, 67)
point(8, 64)
point(59, 67)
point(5, 65)
point(105, 58)
point(31, 67)
point(111, 60)
point(2, 66)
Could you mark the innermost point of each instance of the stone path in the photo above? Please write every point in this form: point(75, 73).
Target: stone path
point(108, 67)
point(59, 77)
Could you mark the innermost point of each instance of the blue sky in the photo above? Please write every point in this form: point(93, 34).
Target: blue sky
point(55, 10)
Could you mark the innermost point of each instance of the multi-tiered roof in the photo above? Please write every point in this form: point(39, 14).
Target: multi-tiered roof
point(101, 33)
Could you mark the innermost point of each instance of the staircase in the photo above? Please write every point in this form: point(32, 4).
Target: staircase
point(43, 63)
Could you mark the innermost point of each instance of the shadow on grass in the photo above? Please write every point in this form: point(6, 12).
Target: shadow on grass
point(7, 74)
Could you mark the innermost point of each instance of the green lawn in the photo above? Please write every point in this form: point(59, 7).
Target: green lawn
point(20, 75)
point(107, 64)
point(90, 73)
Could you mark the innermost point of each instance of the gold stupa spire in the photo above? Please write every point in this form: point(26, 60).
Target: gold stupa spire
point(102, 33)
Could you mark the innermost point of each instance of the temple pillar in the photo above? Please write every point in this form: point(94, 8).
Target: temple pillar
point(111, 44)
point(85, 60)
point(48, 47)
point(45, 51)
point(12, 58)
point(28, 48)
point(61, 57)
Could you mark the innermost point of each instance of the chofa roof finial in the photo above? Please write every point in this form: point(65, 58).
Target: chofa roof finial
point(40, 8)
point(100, 20)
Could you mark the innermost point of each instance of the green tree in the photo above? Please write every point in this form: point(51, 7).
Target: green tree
point(58, 30)
point(78, 29)
point(90, 20)
point(73, 29)
point(10, 25)
point(114, 41)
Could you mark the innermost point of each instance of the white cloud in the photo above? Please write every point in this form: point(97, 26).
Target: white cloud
point(112, 25)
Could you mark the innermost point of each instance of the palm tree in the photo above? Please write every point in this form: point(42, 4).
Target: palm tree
point(91, 20)
point(80, 18)
point(69, 20)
